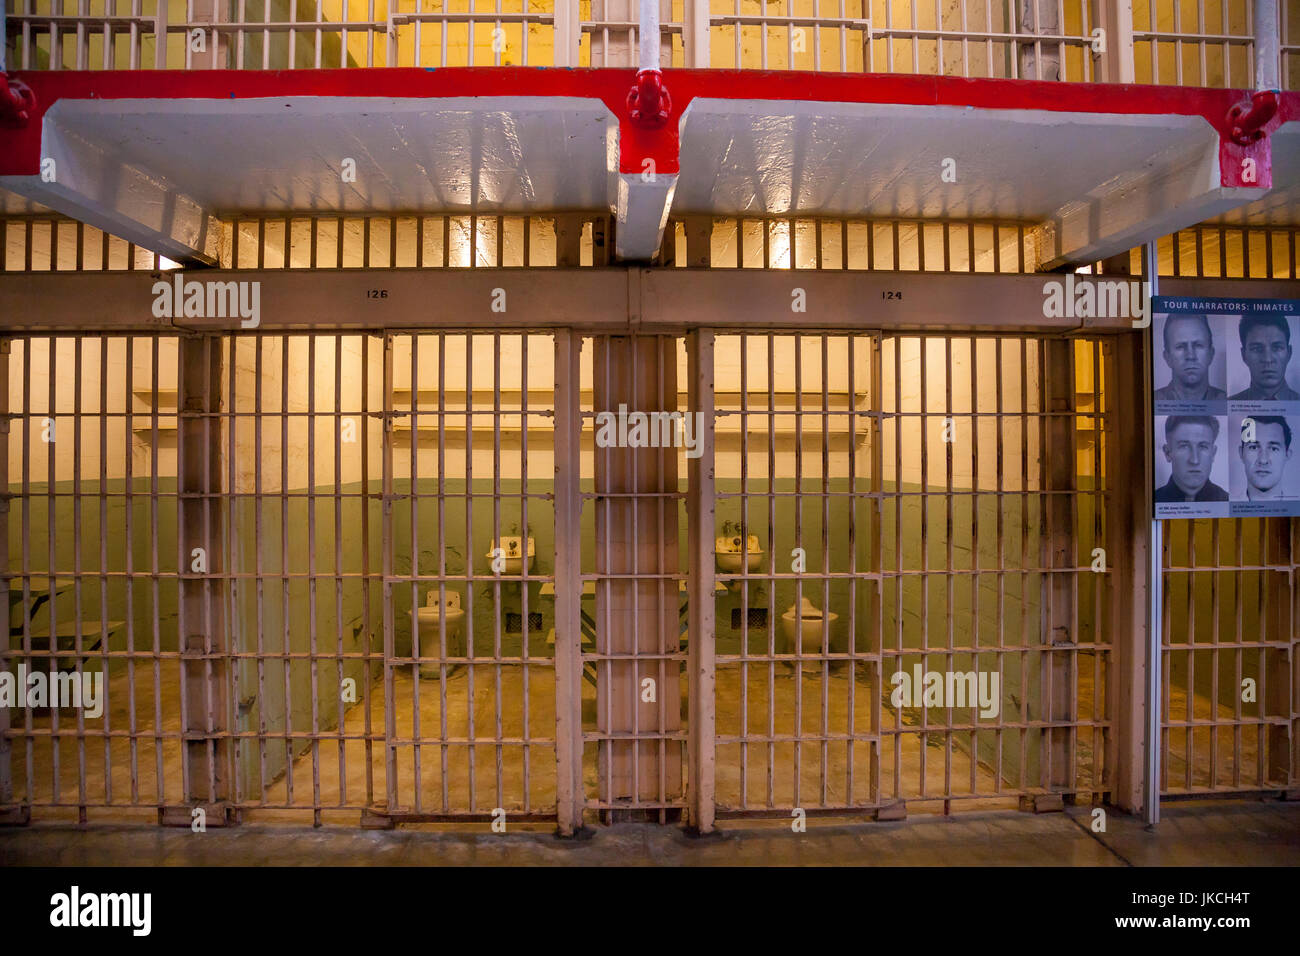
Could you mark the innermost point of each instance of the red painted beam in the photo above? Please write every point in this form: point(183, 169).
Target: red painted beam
point(20, 148)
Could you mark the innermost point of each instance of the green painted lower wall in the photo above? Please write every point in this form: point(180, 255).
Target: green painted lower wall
point(916, 611)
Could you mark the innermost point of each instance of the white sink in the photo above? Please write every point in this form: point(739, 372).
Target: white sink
point(514, 551)
point(727, 552)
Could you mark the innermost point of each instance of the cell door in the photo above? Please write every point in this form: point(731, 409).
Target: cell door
point(468, 689)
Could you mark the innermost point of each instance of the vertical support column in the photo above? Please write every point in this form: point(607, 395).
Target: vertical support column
point(1115, 18)
point(8, 814)
point(1057, 685)
point(568, 241)
point(160, 37)
point(205, 725)
point(637, 602)
point(1041, 59)
point(699, 240)
point(1128, 544)
point(209, 11)
point(568, 583)
point(876, 565)
point(697, 38)
point(613, 46)
point(1268, 45)
point(567, 32)
point(1152, 737)
point(701, 619)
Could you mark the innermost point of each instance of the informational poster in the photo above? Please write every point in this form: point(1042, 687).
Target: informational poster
point(1227, 407)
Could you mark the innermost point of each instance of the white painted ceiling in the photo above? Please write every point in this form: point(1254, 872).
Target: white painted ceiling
point(884, 160)
point(278, 155)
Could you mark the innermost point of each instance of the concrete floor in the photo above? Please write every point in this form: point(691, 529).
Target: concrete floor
point(1190, 834)
point(833, 774)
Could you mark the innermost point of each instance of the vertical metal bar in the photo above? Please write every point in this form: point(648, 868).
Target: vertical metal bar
point(286, 640)
point(259, 568)
point(469, 544)
point(743, 343)
point(340, 714)
point(826, 566)
point(496, 534)
point(417, 647)
point(154, 569)
point(525, 665)
point(30, 775)
point(390, 720)
point(102, 452)
point(128, 550)
point(798, 585)
point(77, 636)
point(771, 570)
point(6, 746)
point(312, 646)
point(51, 565)
point(442, 571)
point(700, 504)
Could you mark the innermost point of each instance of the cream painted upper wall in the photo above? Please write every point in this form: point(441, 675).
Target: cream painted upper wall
point(945, 366)
point(104, 440)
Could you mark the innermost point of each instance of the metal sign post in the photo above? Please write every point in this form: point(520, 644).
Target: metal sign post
point(1155, 585)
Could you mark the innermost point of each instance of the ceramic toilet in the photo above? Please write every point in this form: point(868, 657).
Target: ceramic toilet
point(430, 618)
point(809, 619)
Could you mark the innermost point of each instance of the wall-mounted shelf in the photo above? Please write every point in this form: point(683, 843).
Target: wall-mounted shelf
point(167, 401)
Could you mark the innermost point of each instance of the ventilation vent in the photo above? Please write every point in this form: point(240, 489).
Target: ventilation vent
point(515, 622)
point(757, 618)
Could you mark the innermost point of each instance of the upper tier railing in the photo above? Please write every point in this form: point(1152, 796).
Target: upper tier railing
point(1175, 42)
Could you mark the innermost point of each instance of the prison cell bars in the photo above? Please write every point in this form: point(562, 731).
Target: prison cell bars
point(1223, 51)
point(736, 801)
point(1258, 578)
point(1056, 568)
point(51, 243)
point(136, 34)
point(408, 804)
point(56, 577)
point(862, 37)
point(205, 729)
point(860, 245)
point(610, 38)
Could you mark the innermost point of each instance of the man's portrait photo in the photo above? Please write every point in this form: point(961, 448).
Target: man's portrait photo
point(1195, 364)
point(1263, 456)
point(1188, 468)
point(1265, 357)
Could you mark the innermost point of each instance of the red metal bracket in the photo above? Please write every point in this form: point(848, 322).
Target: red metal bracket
point(648, 100)
point(17, 101)
point(1247, 122)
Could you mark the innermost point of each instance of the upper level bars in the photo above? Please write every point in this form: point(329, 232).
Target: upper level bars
point(53, 243)
point(1206, 43)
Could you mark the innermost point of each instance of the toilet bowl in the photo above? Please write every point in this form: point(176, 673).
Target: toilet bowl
point(809, 620)
point(430, 619)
